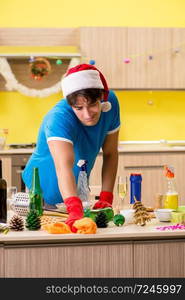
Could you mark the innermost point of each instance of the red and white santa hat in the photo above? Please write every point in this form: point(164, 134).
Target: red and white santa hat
point(85, 76)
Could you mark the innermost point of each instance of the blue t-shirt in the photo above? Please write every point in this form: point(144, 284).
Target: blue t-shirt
point(61, 123)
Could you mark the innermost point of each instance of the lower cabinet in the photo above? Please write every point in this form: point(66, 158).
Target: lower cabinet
point(100, 260)
point(2, 273)
point(162, 258)
point(159, 259)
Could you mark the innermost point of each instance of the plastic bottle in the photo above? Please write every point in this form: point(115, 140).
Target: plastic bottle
point(82, 185)
point(171, 195)
point(35, 193)
point(135, 187)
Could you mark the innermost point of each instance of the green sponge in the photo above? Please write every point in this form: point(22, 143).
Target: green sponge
point(92, 213)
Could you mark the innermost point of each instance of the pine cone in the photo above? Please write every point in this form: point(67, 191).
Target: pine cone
point(33, 221)
point(16, 223)
point(101, 220)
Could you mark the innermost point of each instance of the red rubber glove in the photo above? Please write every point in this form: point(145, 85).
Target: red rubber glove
point(75, 210)
point(106, 199)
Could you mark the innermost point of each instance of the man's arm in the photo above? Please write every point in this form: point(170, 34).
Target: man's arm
point(63, 156)
point(110, 161)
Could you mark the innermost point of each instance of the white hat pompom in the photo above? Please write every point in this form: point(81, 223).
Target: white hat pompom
point(106, 106)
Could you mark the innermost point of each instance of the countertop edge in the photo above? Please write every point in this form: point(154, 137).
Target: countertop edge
point(121, 149)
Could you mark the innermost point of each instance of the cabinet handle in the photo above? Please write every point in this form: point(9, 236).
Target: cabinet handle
point(24, 159)
point(145, 167)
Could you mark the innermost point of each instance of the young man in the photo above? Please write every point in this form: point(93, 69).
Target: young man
point(75, 129)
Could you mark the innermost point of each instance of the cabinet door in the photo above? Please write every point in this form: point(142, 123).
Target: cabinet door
point(18, 165)
point(159, 259)
point(178, 64)
point(107, 46)
point(2, 262)
point(151, 59)
point(93, 260)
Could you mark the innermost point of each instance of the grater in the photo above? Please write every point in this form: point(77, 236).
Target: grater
point(20, 203)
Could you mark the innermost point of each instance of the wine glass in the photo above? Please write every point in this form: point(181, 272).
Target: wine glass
point(122, 188)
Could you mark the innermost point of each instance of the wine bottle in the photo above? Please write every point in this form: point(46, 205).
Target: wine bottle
point(35, 193)
point(3, 201)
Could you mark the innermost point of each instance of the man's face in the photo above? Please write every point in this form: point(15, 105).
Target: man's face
point(87, 113)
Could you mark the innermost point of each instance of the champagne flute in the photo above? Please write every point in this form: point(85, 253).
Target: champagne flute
point(122, 188)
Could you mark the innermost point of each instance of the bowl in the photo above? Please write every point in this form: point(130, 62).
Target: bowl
point(163, 214)
point(128, 214)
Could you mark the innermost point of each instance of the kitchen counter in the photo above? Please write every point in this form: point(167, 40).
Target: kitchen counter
point(122, 148)
point(16, 151)
point(128, 232)
point(127, 251)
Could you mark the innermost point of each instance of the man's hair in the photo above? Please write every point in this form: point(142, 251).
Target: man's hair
point(91, 95)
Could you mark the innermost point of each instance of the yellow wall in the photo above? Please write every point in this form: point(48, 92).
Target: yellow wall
point(75, 13)
point(164, 119)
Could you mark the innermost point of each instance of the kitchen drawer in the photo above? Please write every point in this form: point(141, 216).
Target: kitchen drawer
point(20, 160)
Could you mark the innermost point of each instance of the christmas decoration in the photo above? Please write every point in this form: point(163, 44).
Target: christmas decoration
point(141, 216)
point(13, 84)
point(39, 68)
point(58, 62)
point(16, 223)
point(92, 62)
point(127, 60)
point(101, 220)
point(33, 221)
point(4, 229)
point(172, 227)
point(119, 220)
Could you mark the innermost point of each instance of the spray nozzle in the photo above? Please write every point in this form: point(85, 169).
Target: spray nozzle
point(169, 171)
point(82, 164)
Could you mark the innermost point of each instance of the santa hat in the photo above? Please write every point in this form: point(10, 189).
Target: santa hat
point(85, 76)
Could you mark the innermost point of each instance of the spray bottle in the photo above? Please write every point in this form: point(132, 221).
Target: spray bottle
point(171, 195)
point(82, 184)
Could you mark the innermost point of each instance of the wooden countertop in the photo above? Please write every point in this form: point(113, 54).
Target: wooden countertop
point(121, 148)
point(16, 151)
point(127, 232)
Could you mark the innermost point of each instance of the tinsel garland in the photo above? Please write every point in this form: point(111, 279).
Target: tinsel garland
point(13, 84)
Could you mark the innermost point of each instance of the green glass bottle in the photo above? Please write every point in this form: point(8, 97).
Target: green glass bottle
point(3, 201)
point(35, 193)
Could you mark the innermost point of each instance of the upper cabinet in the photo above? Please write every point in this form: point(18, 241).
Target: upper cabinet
point(108, 47)
point(157, 56)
